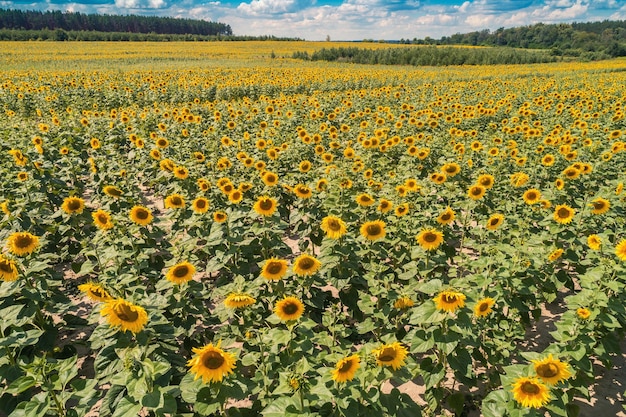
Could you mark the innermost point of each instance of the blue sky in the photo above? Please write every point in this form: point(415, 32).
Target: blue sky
point(352, 19)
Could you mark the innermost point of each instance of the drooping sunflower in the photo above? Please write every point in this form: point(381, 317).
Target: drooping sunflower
point(220, 216)
point(346, 368)
point(392, 355)
point(530, 392)
point(550, 370)
point(180, 273)
point(563, 213)
point(373, 230)
point(8, 269)
point(211, 363)
point(95, 291)
point(265, 206)
point(476, 192)
point(600, 205)
point(239, 300)
point(73, 205)
point(620, 250)
point(532, 196)
point(484, 307)
point(112, 191)
point(449, 300)
point(102, 219)
point(125, 315)
point(274, 269)
point(141, 215)
point(174, 201)
point(22, 243)
point(556, 254)
point(200, 205)
point(306, 265)
point(446, 217)
point(333, 227)
point(364, 200)
point(430, 239)
point(594, 242)
point(403, 303)
point(289, 309)
point(495, 221)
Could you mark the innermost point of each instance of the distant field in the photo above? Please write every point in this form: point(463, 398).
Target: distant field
point(215, 228)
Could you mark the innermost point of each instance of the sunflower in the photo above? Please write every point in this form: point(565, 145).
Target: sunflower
point(302, 191)
point(550, 370)
point(180, 273)
point(305, 166)
point(220, 217)
point(403, 303)
point(449, 300)
point(174, 201)
point(390, 355)
point(384, 205)
point(484, 307)
point(373, 230)
point(141, 215)
point(265, 206)
point(556, 254)
point(73, 205)
point(95, 291)
point(564, 213)
point(402, 209)
point(518, 179)
point(334, 227)
point(530, 392)
point(600, 205)
point(200, 205)
point(364, 200)
point(235, 196)
point(620, 250)
point(429, 239)
point(238, 300)
point(181, 172)
point(346, 368)
point(438, 177)
point(274, 269)
point(583, 313)
point(22, 176)
point(102, 219)
point(289, 309)
point(594, 242)
point(22, 243)
point(446, 216)
point(486, 180)
point(8, 269)
point(532, 196)
point(125, 315)
point(476, 192)
point(451, 169)
point(269, 178)
point(211, 363)
point(306, 265)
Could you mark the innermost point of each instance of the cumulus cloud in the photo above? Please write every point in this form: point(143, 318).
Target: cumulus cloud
point(264, 7)
point(141, 4)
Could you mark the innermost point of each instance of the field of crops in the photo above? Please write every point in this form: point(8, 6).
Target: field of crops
point(195, 229)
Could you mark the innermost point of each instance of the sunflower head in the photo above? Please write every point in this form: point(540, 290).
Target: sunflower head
point(484, 307)
point(530, 392)
point(265, 206)
point(8, 269)
point(141, 215)
point(274, 269)
point(289, 309)
point(364, 200)
point(430, 239)
point(22, 243)
point(620, 250)
point(306, 265)
point(564, 214)
point(95, 291)
point(211, 363)
point(403, 303)
point(125, 315)
point(73, 205)
point(532, 196)
point(583, 313)
point(600, 205)
point(446, 217)
point(392, 355)
point(200, 205)
point(112, 191)
point(333, 227)
point(102, 219)
point(373, 230)
point(476, 192)
point(346, 368)
point(239, 300)
point(220, 216)
point(550, 370)
point(449, 300)
point(180, 273)
point(384, 205)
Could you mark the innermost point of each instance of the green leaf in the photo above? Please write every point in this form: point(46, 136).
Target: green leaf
point(127, 408)
point(152, 399)
point(430, 287)
point(21, 384)
point(427, 313)
point(494, 404)
point(282, 407)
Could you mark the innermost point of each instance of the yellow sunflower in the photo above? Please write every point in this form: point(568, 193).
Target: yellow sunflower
point(141, 215)
point(346, 368)
point(265, 206)
point(600, 205)
point(451, 169)
point(73, 205)
point(551, 371)
point(174, 201)
point(274, 269)
point(449, 300)
point(384, 205)
point(402, 209)
point(484, 307)
point(392, 355)
point(620, 250)
point(532, 196)
point(238, 300)
point(180, 273)
point(220, 217)
point(403, 303)
point(446, 217)
point(563, 213)
point(334, 227)
point(430, 239)
point(8, 269)
point(486, 180)
point(364, 200)
point(302, 191)
point(200, 205)
point(476, 192)
point(306, 265)
point(556, 254)
point(102, 219)
point(289, 309)
point(125, 315)
point(269, 178)
point(95, 291)
point(235, 196)
point(530, 392)
point(22, 243)
point(373, 230)
point(181, 172)
point(112, 191)
point(594, 242)
point(495, 221)
point(583, 313)
point(211, 363)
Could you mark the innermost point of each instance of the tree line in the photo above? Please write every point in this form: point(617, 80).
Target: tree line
point(18, 20)
point(429, 55)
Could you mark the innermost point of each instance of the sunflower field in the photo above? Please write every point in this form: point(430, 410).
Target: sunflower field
point(204, 229)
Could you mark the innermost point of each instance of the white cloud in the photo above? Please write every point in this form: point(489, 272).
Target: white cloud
point(140, 4)
point(261, 7)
